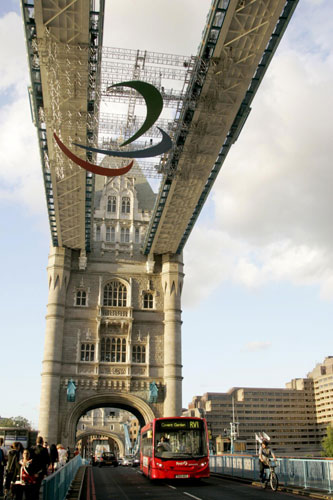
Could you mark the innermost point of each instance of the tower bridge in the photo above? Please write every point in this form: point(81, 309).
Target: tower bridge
point(115, 274)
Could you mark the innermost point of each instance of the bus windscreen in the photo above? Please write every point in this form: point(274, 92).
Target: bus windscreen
point(180, 438)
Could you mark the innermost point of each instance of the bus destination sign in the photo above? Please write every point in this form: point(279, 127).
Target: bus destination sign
point(173, 425)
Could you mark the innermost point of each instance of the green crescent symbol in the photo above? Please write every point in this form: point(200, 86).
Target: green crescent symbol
point(154, 104)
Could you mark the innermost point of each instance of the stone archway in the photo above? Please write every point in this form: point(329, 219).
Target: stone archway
point(129, 402)
point(112, 435)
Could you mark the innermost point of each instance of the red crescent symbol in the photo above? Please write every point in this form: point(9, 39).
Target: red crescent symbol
point(95, 169)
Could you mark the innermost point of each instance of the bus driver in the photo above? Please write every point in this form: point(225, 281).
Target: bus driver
point(163, 444)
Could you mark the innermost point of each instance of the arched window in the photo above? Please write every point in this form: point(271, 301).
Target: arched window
point(112, 204)
point(110, 234)
point(81, 298)
point(148, 300)
point(137, 235)
point(139, 354)
point(125, 205)
point(87, 352)
point(106, 350)
point(115, 294)
point(98, 233)
point(124, 235)
point(113, 350)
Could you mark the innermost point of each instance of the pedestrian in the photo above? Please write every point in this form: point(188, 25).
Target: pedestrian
point(25, 478)
point(41, 461)
point(2, 465)
point(68, 454)
point(12, 460)
point(53, 456)
point(20, 449)
point(62, 454)
point(76, 452)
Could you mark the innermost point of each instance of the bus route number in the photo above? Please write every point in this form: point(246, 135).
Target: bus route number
point(194, 424)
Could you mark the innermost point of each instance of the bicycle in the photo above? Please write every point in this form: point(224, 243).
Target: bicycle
point(272, 477)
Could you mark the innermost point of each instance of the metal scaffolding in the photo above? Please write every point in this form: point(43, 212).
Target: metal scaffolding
point(169, 73)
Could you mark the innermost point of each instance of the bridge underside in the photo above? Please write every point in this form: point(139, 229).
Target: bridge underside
point(65, 54)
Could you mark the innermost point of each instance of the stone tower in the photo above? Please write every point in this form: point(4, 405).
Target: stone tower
point(113, 324)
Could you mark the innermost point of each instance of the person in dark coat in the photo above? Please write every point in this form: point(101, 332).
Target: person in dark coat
point(12, 460)
point(41, 461)
point(2, 465)
point(53, 456)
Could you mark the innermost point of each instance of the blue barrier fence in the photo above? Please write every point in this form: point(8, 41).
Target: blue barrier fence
point(304, 473)
point(56, 486)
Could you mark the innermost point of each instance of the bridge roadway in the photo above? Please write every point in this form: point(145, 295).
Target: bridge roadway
point(127, 483)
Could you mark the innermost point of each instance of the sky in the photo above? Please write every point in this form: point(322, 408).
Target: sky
point(258, 292)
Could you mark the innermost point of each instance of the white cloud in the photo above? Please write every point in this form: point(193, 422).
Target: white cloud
point(20, 165)
point(171, 27)
point(256, 346)
point(276, 181)
point(208, 261)
point(13, 56)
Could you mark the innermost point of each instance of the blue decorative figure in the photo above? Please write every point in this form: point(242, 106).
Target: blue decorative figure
point(153, 392)
point(71, 390)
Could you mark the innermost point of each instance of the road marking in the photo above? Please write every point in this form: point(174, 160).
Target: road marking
point(88, 484)
point(172, 487)
point(93, 491)
point(192, 496)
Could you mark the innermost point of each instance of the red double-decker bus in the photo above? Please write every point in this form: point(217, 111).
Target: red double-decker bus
point(175, 448)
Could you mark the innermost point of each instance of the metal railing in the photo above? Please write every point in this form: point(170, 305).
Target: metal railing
point(56, 486)
point(299, 472)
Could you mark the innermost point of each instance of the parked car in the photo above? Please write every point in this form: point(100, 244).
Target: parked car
point(136, 461)
point(108, 458)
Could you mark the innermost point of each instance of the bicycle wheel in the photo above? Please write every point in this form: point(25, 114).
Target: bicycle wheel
point(274, 481)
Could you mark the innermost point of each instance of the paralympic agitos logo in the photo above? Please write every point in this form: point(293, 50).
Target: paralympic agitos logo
point(154, 104)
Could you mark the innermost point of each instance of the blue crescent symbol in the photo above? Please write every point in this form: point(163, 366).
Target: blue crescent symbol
point(158, 149)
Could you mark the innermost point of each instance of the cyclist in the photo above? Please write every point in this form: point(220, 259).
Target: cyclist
point(265, 453)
